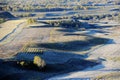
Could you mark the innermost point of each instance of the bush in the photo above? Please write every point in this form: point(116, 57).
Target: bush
point(24, 63)
point(2, 20)
point(39, 62)
point(31, 21)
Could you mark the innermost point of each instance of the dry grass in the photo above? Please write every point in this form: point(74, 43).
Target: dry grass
point(117, 58)
point(8, 27)
point(59, 36)
point(4, 56)
point(110, 76)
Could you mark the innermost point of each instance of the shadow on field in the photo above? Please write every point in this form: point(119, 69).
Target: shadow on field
point(77, 45)
point(91, 26)
point(66, 30)
point(9, 70)
point(87, 33)
point(75, 34)
point(71, 65)
point(71, 26)
point(43, 26)
point(57, 60)
point(43, 22)
point(47, 18)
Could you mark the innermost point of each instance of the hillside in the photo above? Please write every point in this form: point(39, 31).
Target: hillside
point(6, 15)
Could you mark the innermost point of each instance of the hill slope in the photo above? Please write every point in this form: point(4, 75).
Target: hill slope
point(6, 15)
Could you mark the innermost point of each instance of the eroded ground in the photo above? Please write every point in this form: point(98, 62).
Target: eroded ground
point(91, 53)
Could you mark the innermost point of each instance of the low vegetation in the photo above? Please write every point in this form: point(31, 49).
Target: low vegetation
point(93, 17)
point(67, 24)
point(114, 58)
point(52, 5)
point(37, 62)
point(119, 17)
point(2, 20)
point(73, 21)
point(31, 21)
point(24, 15)
point(109, 76)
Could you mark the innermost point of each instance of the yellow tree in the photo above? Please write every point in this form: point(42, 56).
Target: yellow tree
point(39, 62)
point(30, 21)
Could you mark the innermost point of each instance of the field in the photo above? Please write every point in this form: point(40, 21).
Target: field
point(9, 27)
point(59, 40)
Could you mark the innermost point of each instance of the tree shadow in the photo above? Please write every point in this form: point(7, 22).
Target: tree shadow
point(97, 26)
point(56, 62)
point(66, 30)
point(66, 46)
point(43, 26)
point(87, 33)
point(47, 18)
point(11, 71)
point(85, 27)
point(71, 25)
point(75, 34)
point(77, 45)
point(73, 64)
point(43, 22)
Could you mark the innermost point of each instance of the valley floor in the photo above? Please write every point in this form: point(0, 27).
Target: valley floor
point(71, 55)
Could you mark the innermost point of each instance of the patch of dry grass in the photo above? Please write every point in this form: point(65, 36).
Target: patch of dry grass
point(109, 76)
point(59, 36)
point(114, 58)
point(8, 27)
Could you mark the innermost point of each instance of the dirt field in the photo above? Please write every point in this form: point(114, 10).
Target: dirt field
point(108, 54)
point(87, 51)
point(23, 38)
point(9, 27)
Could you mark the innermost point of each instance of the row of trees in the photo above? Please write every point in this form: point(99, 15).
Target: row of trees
point(67, 24)
point(15, 5)
point(41, 8)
